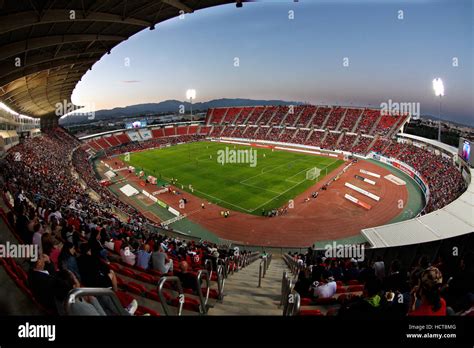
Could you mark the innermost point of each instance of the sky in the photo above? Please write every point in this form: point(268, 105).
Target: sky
point(340, 52)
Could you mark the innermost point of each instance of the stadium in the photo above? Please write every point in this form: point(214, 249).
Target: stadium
point(228, 211)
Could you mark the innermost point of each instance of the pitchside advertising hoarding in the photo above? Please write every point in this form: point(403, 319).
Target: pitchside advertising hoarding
point(465, 151)
point(406, 169)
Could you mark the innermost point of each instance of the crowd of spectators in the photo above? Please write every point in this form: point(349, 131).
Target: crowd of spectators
point(439, 287)
point(77, 235)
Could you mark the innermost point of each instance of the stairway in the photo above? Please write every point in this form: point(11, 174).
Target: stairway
point(244, 297)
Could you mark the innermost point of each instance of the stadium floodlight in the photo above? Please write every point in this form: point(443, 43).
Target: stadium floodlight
point(191, 94)
point(438, 88)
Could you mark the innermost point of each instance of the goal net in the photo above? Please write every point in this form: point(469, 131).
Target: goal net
point(313, 173)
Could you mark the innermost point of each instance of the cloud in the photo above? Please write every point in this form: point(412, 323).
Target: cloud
point(131, 81)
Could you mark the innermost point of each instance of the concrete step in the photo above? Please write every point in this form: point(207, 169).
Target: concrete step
point(244, 297)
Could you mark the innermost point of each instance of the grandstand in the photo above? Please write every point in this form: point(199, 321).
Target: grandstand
point(129, 241)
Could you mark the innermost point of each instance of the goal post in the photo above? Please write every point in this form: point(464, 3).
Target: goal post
point(313, 173)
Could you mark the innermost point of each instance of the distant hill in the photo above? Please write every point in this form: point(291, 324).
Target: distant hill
point(171, 106)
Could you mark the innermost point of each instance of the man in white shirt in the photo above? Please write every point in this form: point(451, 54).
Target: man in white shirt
point(325, 289)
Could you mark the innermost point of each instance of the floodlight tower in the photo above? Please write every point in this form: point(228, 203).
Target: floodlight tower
point(191, 94)
point(439, 92)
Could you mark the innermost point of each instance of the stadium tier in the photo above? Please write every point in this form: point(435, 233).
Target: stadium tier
point(54, 195)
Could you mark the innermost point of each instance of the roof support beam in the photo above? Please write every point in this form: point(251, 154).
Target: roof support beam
point(19, 47)
point(25, 19)
point(179, 5)
point(16, 74)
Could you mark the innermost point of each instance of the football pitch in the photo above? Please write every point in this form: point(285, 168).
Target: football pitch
point(242, 178)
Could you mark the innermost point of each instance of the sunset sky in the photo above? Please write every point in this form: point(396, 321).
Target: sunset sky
point(298, 59)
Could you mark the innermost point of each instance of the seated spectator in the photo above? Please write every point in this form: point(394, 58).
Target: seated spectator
point(369, 306)
point(127, 255)
point(188, 280)
point(85, 305)
point(326, 288)
point(95, 273)
point(67, 259)
point(96, 247)
point(426, 299)
point(144, 257)
point(42, 281)
point(161, 261)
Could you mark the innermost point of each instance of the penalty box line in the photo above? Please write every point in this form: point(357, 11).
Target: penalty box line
point(299, 183)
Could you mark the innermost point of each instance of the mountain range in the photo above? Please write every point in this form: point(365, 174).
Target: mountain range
point(167, 106)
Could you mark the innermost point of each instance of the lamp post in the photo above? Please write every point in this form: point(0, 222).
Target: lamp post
point(438, 88)
point(191, 94)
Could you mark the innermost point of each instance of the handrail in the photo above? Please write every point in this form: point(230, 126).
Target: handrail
point(284, 284)
point(260, 272)
point(203, 300)
point(288, 289)
point(293, 304)
point(209, 267)
point(262, 268)
point(181, 297)
point(220, 281)
point(82, 292)
point(224, 264)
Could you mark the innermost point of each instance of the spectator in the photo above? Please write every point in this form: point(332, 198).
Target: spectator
point(67, 259)
point(144, 256)
point(42, 281)
point(188, 280)
point(161, 261)
point(425, 297)
point(327, 287)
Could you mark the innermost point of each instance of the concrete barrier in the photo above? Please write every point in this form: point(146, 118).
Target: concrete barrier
point(364, 192)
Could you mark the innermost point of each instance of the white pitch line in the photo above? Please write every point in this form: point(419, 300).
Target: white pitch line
point(221, 200)
point(288, 189)
point(260, 188)
point(261, 205)
point(271, 170)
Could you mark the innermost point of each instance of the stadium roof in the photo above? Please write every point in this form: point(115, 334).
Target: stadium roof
point(46, 46)
point(449, 149)
point(453, 220)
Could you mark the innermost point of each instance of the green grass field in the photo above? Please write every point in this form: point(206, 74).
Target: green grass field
point(275, 178)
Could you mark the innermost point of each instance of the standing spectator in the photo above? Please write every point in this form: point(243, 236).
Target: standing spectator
point(425, 297)
point(379, 268)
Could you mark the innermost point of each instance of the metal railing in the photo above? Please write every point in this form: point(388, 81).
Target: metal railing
point(179, 289)
point(74, 294)
point(204, 306)
point(294, 267)
point(292, 304)
point(263, 267)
